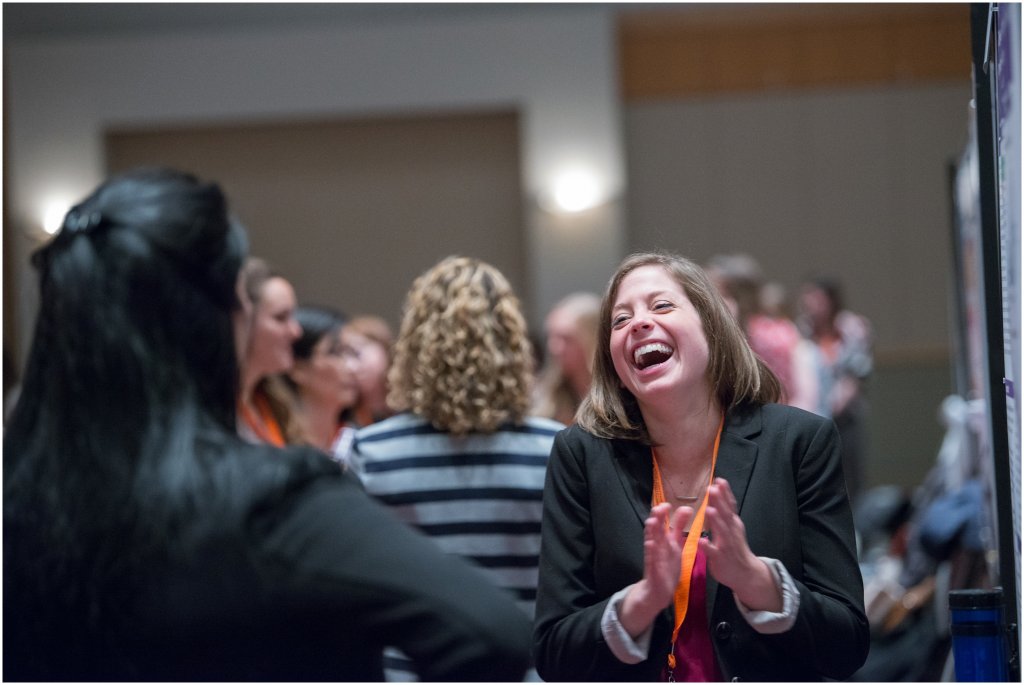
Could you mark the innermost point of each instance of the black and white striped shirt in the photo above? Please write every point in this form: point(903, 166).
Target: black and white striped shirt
point(478, 496)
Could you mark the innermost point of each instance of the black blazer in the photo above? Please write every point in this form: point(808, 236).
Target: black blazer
point(295, 574)
point(783, 466)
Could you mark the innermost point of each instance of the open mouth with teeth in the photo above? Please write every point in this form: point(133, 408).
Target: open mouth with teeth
point(651, 354)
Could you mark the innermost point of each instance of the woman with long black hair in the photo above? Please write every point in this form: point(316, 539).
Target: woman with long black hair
point(144, 540)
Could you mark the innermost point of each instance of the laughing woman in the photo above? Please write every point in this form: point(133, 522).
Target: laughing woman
point(693, 529)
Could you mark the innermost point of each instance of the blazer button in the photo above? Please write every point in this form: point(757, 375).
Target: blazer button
point(723, 631)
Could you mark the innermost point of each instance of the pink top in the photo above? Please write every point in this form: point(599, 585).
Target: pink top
point(774, 340)
point(695, 655)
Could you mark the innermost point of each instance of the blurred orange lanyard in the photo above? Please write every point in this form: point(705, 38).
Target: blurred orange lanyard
point(265, 425)
point(682, 598)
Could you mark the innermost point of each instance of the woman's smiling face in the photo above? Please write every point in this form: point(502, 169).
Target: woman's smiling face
point(274, 329)
point(657, 341)
point(327, 378)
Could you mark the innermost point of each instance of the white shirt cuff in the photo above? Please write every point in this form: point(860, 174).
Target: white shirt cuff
point(770, 622)
point(625, 648)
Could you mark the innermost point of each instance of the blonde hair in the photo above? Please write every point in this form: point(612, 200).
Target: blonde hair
point(735, 373)
point(255, 274)
point(463, 358)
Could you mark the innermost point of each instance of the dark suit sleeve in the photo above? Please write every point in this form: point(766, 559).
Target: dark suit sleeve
point(362, 567)
point(568, 644)
point(831, 629)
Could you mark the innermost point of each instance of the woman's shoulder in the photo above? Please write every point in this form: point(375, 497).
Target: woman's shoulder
point(778, 421)
point(397, 426)
point(541, 425)
point(410, 427)
point(577, 434)
point(783, 413)
point(575, 438)
point(260, 457)
point(298, 490)
point(253, 475)
point(769, 412)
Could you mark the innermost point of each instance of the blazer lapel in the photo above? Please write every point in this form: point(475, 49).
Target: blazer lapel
point(737, 454)
point(632, 462)
point(736, 457)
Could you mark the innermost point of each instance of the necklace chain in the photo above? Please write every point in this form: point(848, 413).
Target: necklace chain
point(684, 498)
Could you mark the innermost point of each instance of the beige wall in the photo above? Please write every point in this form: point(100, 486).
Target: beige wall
point(351, 211)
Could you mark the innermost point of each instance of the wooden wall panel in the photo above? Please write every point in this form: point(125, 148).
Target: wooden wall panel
point(775, 47)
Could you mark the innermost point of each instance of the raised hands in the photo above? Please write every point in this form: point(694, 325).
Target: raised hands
point(730, 560)
point(663, 548)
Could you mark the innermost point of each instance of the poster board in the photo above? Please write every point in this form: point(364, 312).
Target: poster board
point(1008, 150)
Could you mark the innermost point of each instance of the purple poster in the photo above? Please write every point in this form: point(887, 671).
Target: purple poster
point(1008, 113)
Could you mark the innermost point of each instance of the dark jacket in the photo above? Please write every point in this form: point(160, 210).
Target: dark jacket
point(304, 580)
point(783, 466)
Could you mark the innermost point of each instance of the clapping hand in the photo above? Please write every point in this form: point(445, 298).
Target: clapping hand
point(663, 548)
point(730, 559)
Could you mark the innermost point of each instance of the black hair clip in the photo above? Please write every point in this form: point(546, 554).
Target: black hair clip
point(82, 222)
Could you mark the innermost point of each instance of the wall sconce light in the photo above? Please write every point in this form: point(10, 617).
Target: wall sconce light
point(52, 212)
point(573, 191)
point(576, 191)
point(53, 217)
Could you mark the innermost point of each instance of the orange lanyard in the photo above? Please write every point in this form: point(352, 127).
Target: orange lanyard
point(265, 425)
point(682, 597)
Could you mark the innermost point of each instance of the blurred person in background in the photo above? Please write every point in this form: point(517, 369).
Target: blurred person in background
point(772, 334)
point(571, 330)
point(323, 381)
point(144, 539)
point(463, 462)
point(370, 340)
point(264, 405)
point(788, 354)
point(841, 361)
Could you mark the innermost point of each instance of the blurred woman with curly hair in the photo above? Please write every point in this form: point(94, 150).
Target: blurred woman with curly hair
point(461, 461)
